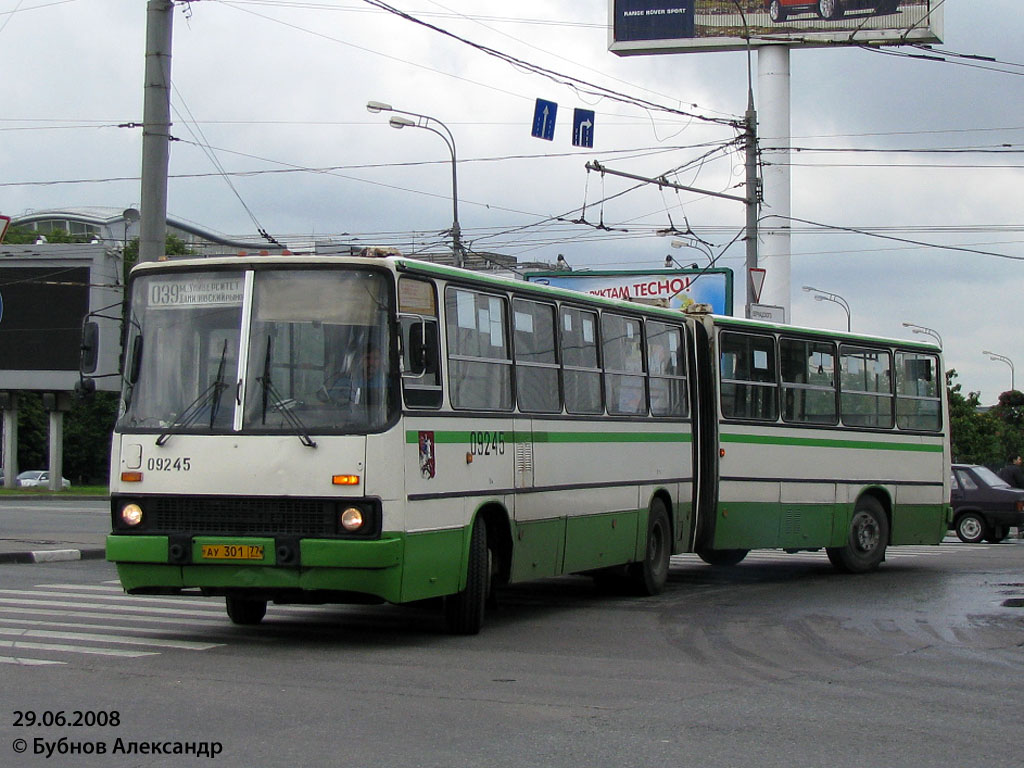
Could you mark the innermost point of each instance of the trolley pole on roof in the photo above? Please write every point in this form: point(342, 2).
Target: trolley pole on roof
point(156, 130)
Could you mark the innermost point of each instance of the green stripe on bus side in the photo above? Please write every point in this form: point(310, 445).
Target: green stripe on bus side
point(821, 442)
point(457, 437)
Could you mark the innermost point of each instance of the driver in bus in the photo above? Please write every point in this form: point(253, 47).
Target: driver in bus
point(362, 383)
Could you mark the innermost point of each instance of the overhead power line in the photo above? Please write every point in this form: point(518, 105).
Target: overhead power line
point(577, 84)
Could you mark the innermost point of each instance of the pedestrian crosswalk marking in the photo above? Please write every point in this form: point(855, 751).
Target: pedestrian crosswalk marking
point(29, 662)
point(14, 610)
point(29, 645)
point(49, 634)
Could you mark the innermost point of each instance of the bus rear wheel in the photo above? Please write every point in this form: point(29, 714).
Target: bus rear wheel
point(866, 540)
point(648, 577)
point(245, 610)
point(464, 611)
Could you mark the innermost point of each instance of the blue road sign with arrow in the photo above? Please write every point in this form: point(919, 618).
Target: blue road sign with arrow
point(583, 128)
point(544, 120)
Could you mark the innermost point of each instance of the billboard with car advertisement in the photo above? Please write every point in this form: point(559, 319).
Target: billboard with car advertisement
point(665, 26)
point(671, 288)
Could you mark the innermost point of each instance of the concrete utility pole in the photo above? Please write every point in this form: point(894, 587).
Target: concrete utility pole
point(752, 196)
point(156, 130)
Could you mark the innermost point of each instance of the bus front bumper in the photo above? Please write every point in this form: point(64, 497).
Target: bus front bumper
point(168, 564)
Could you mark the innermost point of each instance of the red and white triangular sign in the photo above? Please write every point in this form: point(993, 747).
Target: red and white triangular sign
point(757, 282)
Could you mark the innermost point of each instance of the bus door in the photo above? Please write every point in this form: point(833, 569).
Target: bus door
point(702, 360)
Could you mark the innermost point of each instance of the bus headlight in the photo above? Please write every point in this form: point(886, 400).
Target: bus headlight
point(352, 519)
point(131, 515)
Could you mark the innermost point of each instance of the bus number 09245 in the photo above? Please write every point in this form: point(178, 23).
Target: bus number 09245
point(169, 465)
point(487, 443)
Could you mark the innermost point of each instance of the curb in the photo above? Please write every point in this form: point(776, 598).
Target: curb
point(53, 555)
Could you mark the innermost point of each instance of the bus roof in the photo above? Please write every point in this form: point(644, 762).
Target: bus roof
point(400, 264)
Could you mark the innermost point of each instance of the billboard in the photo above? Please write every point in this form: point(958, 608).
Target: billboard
point(679, 26)
point(46, 292)
point(672, 288)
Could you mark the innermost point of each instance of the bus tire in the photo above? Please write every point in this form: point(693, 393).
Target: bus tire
point(245, 610)
point(866, 540)
point(648, 576)
point(723, 558)
point(464, 611)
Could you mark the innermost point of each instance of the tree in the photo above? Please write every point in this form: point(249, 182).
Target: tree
point(173, 246)
point(974, 436)
point(1009, 415)
point(19, 235)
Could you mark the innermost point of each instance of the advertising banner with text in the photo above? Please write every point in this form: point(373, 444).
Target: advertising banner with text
point(665, 26)
point(671, 288)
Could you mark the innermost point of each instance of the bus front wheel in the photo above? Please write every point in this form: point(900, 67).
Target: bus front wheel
point(464, 611)
point(245, 610)
point(648, 577)
point(866, 540)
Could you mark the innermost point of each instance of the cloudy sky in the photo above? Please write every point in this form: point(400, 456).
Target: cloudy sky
point(272, 132)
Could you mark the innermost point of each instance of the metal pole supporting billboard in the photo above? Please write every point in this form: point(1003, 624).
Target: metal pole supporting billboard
point(156, 129)
point(774, 136)
point(9, 401)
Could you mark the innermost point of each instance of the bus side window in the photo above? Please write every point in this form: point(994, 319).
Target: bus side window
point(479, 353)
point(865, 387)
point(421, 349)
point(537, 389)
point(918, 403)
point(665, 368)
point(625, 385)
point(581, 371)
point(748, 378)
point(808, 381)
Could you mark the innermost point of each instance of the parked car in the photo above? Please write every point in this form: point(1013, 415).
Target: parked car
point(779, 10)
point(38, 478)
point(984, 505)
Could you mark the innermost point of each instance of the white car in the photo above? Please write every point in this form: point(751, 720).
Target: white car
point(36, 478)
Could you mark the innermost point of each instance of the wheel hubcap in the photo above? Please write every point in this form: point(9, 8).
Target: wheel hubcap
point(970, 528)
point(865, 532)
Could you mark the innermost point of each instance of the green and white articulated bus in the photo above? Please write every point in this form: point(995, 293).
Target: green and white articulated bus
point(362, 429)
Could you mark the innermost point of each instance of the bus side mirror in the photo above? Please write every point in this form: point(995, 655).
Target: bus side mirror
point(90, 347)
point(423, 348)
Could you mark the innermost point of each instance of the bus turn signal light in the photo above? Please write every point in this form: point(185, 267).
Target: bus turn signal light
point(131, 477)
point(345, 479)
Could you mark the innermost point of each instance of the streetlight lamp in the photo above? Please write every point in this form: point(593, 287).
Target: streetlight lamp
point(427, 123)
point(927, 331)
point(1001, 359)
point(835, 298)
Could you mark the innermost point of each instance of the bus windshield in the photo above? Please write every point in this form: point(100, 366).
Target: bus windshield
point(316, 357)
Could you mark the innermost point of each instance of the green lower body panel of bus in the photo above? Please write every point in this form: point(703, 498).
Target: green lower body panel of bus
point(397, 567)
point(745, 525)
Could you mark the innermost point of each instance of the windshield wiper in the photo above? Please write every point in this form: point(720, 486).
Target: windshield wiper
point(210, 395)
point(218, 384)
point(281, 405)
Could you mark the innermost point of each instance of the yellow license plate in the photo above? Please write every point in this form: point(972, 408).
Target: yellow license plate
point(232, 551)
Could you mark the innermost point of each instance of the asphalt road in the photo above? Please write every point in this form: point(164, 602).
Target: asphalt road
point(777, 662)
